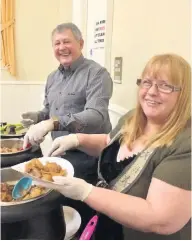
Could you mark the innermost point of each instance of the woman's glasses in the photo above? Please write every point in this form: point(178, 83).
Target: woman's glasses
point(162, 87)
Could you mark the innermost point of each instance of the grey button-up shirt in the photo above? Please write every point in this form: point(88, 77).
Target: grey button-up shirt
point(79, 97)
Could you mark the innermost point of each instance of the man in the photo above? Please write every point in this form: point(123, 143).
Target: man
point(76, 99)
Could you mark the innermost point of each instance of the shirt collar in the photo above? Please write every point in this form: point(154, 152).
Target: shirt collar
point(73, 66)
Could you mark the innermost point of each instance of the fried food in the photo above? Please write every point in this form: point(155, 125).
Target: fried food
point(34, 163)
point(6, 192)
point(45, 172)
point(47, 177)
point(52, 167)
point(36, 172)
point(8, 150)
point(36, 191)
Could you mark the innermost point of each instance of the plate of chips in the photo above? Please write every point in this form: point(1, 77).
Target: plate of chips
point(43, 169)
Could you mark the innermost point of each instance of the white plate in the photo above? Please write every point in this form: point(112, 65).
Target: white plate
point(60, 161)
point(72, 220)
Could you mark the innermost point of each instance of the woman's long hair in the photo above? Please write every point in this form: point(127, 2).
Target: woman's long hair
point(179, 72)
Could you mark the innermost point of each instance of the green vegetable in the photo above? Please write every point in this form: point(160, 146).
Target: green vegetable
point(18, 127)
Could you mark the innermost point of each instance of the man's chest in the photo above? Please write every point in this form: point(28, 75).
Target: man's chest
point(67, 92)
point(69, 83)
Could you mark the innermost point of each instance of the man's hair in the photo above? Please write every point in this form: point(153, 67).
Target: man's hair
point(65, 26)
point(179, 71)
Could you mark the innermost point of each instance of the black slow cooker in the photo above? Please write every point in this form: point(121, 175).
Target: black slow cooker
point(10, 159)
point(41, 218)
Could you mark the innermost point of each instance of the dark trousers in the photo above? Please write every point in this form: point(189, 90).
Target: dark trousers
point(85, 167)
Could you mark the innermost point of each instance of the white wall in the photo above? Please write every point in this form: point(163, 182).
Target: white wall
point(136, 31)
point(20, 97)
point(34, 22)
point(79, 17)
point(141, 29)
point(84, 14)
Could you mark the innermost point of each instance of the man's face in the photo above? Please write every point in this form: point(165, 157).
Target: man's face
point(66, 48)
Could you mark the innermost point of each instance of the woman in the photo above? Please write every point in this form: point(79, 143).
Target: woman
point(144, 162)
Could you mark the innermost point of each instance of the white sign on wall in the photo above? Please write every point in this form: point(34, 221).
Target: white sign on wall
point(99, 34)
point(96, 30)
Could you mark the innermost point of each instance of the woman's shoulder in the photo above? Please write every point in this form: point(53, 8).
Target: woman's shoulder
point(172, 164)
point(182, 142)
point(180, 146)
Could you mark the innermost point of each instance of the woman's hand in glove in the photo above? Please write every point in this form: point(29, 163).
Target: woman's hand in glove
point(62, 144)
point(72, 187)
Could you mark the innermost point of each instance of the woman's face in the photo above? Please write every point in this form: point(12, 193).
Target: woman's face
point(156, 105)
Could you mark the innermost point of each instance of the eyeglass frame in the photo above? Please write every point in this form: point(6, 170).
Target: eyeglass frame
point(173, 88)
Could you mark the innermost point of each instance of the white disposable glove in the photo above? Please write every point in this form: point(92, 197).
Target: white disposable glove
point(29, 118)
point(62, 144)
point(72, 187)
point(35, 134)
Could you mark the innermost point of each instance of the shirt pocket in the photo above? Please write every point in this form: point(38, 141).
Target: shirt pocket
point(74, 101)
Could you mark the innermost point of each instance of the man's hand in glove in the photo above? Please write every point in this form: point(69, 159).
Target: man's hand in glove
point(36, 133)
point(29, 118)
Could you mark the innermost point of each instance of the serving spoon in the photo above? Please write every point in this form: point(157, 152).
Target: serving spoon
point(21, 188)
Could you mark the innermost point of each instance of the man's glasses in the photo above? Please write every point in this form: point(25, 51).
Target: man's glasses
point(162, 87)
